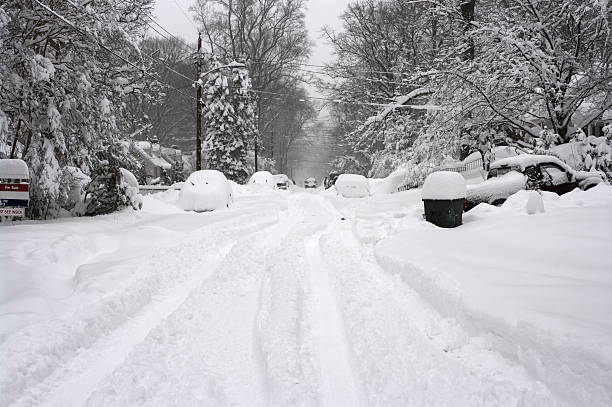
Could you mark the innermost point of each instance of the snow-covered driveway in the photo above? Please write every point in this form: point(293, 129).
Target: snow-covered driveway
point(293, 299)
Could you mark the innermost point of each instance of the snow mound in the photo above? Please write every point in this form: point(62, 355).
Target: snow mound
point(206, 190)
point(352, 186)
point(444, 185)
point(262, 179)
point(389, 184)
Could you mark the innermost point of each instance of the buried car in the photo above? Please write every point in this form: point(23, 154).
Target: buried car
point(206, 190)
point(282, 181)
point(528, 172)
point(310, 183)
point(262, 179)
point(352, 186)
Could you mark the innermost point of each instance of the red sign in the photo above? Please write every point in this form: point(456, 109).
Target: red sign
point(14, 187)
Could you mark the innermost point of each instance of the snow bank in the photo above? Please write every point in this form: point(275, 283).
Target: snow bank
point(497, 188)
point(352, 186)
point(206, 190)
point(389, 184)
point(536, 288)
point(444, 185)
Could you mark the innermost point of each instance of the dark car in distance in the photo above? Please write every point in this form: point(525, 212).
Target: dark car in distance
point(310, 183)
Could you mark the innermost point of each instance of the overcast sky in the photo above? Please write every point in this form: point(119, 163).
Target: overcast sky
point(174, 16)
point(171, 15)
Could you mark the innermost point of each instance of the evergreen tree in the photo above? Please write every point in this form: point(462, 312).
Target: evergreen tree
point(225, 146)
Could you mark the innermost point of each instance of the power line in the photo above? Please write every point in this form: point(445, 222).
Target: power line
point(186, 16)
point(346, 102)
point(148, 56)
point(179, 39)
point(335, 68)
point(86, 34)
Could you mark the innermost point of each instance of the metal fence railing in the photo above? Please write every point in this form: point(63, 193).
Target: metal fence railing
point(472, 165)
point(150, 189)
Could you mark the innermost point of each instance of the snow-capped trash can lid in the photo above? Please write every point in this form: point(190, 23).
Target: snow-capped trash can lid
point(444, 185)
point(13, 168)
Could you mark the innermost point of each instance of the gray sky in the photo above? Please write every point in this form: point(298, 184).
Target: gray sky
point(171, 15)
point(174, 16)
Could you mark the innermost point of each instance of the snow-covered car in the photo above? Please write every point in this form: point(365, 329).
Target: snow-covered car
point(206, 190)
point(282, 181)
point(352, 186)
point(262, 179)
point(528, 171)
point(310, 183)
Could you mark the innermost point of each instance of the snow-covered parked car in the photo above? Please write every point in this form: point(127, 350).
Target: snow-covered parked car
point(282, 181)
point(310, 182)
point(206, 190)
point(352, 186)
point(528, 171)
point(262, 179)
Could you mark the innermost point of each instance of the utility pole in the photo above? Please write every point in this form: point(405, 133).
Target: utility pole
point(199, 109)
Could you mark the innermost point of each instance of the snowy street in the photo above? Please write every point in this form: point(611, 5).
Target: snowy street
point(292, 298)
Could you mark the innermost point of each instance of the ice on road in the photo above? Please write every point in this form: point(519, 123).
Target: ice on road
point(297, 299)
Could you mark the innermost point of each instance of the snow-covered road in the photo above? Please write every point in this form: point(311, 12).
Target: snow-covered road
point(286, 299)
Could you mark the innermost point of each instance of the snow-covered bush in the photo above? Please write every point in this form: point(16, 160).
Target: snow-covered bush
point(73, 184)
point(111, 189)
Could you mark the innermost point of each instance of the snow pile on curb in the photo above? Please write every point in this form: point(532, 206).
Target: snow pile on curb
point(537, 286)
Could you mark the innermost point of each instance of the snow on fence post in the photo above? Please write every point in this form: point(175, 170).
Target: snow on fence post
point(443, 198)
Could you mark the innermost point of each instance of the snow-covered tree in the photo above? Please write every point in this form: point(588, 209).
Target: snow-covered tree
point(63, 81)
point(224, 144)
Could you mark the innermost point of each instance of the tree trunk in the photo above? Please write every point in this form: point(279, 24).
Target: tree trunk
point(14, 146)
point(467, 12)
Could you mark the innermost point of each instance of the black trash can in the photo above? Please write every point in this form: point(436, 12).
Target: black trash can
point(443, 197)
point(447, 213)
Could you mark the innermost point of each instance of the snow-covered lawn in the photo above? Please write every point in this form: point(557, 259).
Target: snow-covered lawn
point(290, 299)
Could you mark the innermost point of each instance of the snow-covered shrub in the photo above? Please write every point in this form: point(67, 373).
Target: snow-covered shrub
point(111, 189)
point(546, 140)
point(73, 184)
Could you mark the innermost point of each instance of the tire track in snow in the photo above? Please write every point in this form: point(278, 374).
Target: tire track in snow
point(71, 358)
point(203, 353)
point(339, 387)
point(408, 353)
